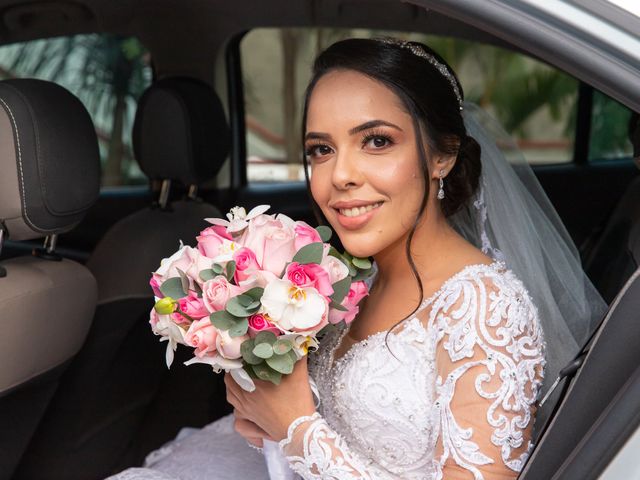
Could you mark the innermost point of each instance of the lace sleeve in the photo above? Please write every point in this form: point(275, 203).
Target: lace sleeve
point(315, 451)
point(489, 363)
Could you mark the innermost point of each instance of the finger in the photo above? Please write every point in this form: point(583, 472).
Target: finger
point(248, 429)
point(256, 442)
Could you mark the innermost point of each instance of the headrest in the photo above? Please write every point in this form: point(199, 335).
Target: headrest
point(180, 131)
point(49, 159)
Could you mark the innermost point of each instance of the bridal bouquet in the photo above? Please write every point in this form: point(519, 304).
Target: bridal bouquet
point(253, 296)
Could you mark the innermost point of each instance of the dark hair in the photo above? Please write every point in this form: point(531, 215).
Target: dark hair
point(428, 97)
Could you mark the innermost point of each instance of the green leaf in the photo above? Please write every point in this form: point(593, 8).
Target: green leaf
point(263, 350)
point(223, 320)
point(239, 328)
point(324, 232)
point(265, 337)
point(362, 275)
point(247, 353)
point(255, 293)
point(338, 306)
point(217, 268)
point(254, 305)
point(234, 307)
point(311, 253)
point(244, 300)
point(197, 289)
point(183, 280)
point(281, 363)
point(361, 263)
point(340, 289)
point(230, 270)
point(207, 274)
point(264, 372)
point(280, 347)
point(173, 288)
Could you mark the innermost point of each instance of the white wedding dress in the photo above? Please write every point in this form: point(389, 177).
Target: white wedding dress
point(452, 389)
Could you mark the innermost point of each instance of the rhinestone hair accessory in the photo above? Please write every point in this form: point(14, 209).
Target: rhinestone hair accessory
point(420, 52)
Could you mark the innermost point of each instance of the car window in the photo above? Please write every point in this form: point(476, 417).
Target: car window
point(107, 73)
point(609, 136)
point(536, 103)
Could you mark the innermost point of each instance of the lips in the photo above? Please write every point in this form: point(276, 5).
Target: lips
point(355, 214)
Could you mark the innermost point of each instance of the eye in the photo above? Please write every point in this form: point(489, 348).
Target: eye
point(377, 141)
point(317, 151)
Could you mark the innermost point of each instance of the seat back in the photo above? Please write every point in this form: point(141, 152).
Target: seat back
point(583, 420)
point(50, 177)
point(117, 401)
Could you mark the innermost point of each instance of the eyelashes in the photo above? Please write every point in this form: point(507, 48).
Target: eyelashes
point(373, 140)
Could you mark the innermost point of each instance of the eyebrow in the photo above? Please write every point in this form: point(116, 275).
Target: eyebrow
point(360, 128)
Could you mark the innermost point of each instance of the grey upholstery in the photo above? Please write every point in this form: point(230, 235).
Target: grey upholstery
point(117, 400)
point(598, 390)
point(50, 170)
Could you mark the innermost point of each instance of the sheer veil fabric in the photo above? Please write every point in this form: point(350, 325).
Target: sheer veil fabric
point(511, 219)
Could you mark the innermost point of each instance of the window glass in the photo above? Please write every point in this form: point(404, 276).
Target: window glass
point(535, 103)
point(107, 73)
point(609, 138)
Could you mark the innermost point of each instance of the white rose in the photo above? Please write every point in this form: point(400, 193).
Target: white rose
point(335, 268)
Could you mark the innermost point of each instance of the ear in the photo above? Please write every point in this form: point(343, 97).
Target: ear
point(444, 164)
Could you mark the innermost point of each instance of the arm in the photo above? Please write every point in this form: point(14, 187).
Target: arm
point(489, 362)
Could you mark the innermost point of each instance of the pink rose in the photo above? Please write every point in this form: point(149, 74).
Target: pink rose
point(217, 291)
point(335, 268)
point(272, 240)
point(357, 292)
point(259, 323)
point(310, 275)
point(193, 306)
point(155, 285)
point(246, 264)
point(202, 336)
point(305, 235)
point(210, 240)
point(228, 346)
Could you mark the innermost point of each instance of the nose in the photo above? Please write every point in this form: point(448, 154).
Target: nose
point(346, 171)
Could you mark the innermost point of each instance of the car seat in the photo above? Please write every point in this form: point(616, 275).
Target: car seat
point(50, 177)
point(102, 417)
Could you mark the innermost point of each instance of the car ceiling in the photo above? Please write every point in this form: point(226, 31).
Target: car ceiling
point(183, 36)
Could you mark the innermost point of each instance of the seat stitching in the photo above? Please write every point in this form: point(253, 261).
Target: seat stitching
point(24, 199)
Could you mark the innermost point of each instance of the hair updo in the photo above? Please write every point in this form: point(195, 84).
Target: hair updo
point(429, 98)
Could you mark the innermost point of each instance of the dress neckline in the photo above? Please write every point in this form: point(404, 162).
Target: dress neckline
point(496, 265)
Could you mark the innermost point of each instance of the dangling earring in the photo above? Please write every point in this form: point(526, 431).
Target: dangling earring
point(441, 191)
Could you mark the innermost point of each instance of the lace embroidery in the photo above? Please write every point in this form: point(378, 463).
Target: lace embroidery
point(396, 414)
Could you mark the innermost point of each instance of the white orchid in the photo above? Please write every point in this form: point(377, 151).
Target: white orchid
point(234, 367)
point(238, 218)
point(294, 308)
point(169, 332)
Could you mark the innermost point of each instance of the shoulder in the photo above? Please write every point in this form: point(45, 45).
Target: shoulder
point(486, 298)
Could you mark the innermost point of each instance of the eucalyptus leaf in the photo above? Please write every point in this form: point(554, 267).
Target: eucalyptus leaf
point(235, 307)
point(264, 372)
point(244, 300)
point(254, 304)
point(362, 275)
point(324, 232)
point(338, 306)
point(230, 270)
point(246, 349)
point(265, 337)
point(173, 288)
point(361, 263)
point(263, 350)
point(207, 274)
point(239, 328)
point(198, 289)
point(223, 320)
point(340, 289)
point(217, 268)
point(311, 253)
point(184, 280)
point(280, 347)
point(255, 293)
point(281, 363)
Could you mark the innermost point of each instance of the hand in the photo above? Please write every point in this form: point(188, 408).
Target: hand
point(272, 408)
point(249, 430)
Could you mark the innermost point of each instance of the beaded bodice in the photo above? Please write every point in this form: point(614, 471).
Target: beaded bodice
point(454, 385)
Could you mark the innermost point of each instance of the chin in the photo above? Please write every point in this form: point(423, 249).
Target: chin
point(358, 246)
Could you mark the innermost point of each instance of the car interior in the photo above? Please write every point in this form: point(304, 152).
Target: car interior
point(126, 124)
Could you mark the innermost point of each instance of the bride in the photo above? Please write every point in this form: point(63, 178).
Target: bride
point(478, 297)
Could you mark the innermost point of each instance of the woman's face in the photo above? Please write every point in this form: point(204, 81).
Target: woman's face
point(365, 173)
